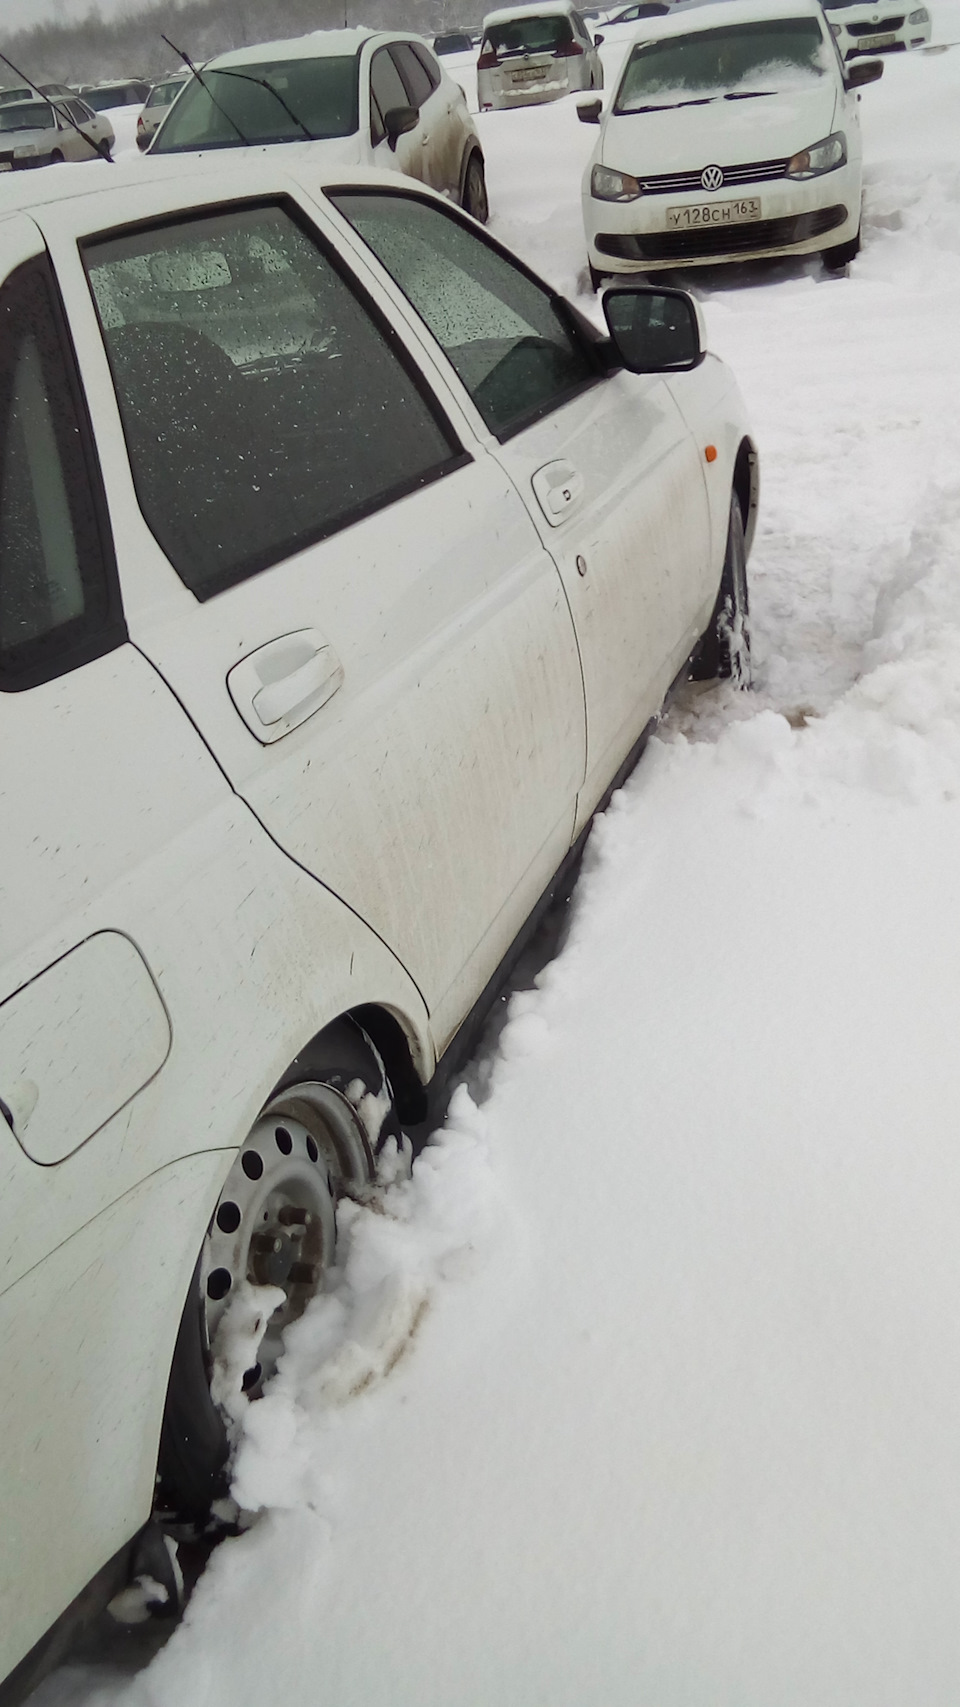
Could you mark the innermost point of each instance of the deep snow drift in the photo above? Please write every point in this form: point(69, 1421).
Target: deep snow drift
point(646, 1389)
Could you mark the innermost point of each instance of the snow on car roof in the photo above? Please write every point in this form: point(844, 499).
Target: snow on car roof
point(319, 44)
point(506, 13)
point(686, 17)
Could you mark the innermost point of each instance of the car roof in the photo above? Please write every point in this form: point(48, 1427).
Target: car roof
point(195, 181)
point(507, 13)
point(695, 15)
point(319, 44)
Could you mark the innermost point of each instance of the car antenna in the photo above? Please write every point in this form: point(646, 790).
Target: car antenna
point(102, 147)
point(198, 74)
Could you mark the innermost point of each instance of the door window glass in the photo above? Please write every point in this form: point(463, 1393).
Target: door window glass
point(510, 345)
point(429, 64)
point(385, 83)
point(59, 605)
point(264, 405)
point(418, 85)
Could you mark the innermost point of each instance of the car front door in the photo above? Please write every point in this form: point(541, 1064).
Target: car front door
point(387, 91)
point(358, 613)
point(440, 134)
point(606, 466)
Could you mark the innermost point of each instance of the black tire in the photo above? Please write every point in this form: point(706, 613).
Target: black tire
point(56, 158)
point(318, 1106)
point(474, 197)
point(724, 651)
point(841, 254)
point(597, 280)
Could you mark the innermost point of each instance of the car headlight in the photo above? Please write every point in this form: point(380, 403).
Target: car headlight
point(824, 156)
point(25, 150)
point(610, 186)
point(920, 16)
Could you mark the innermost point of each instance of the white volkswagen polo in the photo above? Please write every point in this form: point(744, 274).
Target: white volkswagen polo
point(343, 567)
point(733, 133)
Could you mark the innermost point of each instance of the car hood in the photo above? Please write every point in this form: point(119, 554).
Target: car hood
point(722, 133)
point(327, 151)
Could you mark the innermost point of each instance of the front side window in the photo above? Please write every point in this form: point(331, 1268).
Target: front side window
point(509, 343)
point(59, 604)
point(759, 58)
point(263, 404)
point(418, 84)
point(278, 101)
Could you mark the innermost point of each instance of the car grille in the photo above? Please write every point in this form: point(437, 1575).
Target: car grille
point(883, 28)
point(757, 172)
point(710, 240)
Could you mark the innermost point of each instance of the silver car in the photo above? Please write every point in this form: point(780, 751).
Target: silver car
point(42, 133)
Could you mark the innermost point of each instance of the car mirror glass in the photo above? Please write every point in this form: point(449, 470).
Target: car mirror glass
point(654, 331)
point(398, 121)
point(597, 40)
point(588, 112)
point(868, 71)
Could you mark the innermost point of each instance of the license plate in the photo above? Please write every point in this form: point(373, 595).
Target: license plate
point(529, 74)
point(714, 213)
point(875, 41)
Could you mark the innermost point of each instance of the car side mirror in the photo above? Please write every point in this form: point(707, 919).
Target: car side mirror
point(654, 331)
point(597, 41)
point(398, 121)
point(867, 71)
point(588, 112)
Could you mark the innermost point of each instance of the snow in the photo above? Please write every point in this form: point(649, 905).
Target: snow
point(643, 1389)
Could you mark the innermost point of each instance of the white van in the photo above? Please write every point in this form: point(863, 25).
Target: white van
point(530, 54)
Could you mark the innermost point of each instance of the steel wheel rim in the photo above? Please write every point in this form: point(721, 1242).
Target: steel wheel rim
point(275, 1223)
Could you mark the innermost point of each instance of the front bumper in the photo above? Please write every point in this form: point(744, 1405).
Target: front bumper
point(796, 219)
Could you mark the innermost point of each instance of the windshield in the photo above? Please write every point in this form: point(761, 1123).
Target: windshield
point(101, 99)
point(322, 93)
point(30, 115)
point(528, 35)
point(8, 95)
point(740, 57)
point(163, 94)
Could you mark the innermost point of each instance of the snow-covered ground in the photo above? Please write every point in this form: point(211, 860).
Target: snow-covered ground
point(645, 1391)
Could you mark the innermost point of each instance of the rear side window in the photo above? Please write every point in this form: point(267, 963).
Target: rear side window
point(59, 600)
point(511, 346)
point(418, 85)
point(264, 403)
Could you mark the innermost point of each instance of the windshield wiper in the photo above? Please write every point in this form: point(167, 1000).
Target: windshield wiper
point(748, 94)
point(261, 82)
point(188, 62)
point(671, 106)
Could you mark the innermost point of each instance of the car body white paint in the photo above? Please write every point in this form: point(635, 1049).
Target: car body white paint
point(234, 896)
point(864, 27)
point(727, 134)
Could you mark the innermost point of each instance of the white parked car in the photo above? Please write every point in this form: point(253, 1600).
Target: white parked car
point(344, 568)
point(347, 97)
point(733, 133)
point(159, 98)
point(863, 27)
point(44, 133)
point(531, 54)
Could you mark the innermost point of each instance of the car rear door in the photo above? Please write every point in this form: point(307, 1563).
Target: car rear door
point(606, 467)
point(349, 598)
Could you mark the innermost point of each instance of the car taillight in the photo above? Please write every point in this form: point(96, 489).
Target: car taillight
point(488, 61)
point(140, 122)
point(567, 50)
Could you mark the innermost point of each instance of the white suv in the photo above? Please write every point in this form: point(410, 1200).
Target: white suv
point(343, 569)
point(342, 97)
point(532, 54)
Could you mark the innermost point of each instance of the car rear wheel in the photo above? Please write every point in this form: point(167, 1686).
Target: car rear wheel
point(724, 651)
point(275, 1224)
point(474, 198)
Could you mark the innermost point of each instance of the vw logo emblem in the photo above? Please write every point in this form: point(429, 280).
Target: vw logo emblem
point(711, 177)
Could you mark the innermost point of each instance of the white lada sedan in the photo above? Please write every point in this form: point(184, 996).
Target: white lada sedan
point(733, 133)
point(343, 567)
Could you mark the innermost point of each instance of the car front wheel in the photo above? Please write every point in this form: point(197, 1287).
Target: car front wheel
point(724, 651)
point(474, 198)
point(275, 1225)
